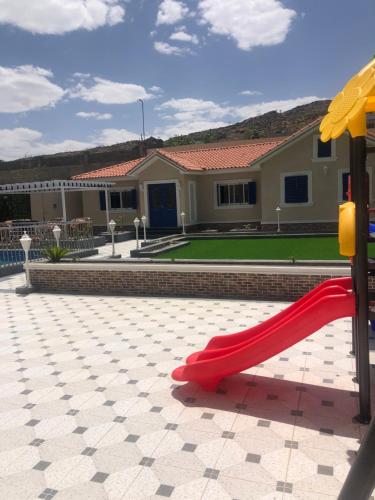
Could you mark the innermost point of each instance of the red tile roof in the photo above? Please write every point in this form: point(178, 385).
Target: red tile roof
point(200, 159)
point(119, 170)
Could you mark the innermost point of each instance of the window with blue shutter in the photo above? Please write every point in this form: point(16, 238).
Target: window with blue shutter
point(296, 189)
point(345, 186)
point(252, 190)
point(324, 149)
point(102, 202)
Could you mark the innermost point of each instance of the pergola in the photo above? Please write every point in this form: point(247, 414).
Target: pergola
point(61, 186)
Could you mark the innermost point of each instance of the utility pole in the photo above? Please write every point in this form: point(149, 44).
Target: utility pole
point(143, 134)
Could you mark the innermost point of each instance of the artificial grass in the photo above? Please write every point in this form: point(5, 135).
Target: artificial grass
point(276, 248)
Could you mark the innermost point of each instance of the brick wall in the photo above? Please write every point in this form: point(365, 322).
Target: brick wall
point(284, 287)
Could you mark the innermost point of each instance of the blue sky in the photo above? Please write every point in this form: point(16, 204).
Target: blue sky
point(72, 71)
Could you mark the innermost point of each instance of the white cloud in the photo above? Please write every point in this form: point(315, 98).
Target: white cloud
point(94, 114)
point(60, 16)
point(250, 23)
point(171, 11)
point(192, 115)
point(193, 109)
point(170, 50)
point(182, 36)
point(20, 142)
point(244, 112)
point(183, 128)
point(108, 92)
point(155, 89)
point(250, 92)
point(27, 87)
point(110, 136)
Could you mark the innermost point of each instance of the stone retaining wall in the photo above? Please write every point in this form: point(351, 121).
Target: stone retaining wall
point(156, 280)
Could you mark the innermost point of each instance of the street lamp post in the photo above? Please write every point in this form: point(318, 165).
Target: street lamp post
point(144, 220)
point(26, 244)
point(111, 226)
point(278, 210)
point(57, 233)
point(136, 222)
point(183, 222)
point(143, 120)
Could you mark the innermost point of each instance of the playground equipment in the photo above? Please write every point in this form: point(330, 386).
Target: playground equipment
point(332, 299)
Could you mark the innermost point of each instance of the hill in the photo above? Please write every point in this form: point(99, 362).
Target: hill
point(270, 124)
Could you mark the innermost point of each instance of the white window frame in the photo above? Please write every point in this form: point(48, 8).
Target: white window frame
point(341, 171)
point(120, 190)
point(315, 157)
point(309, 188)
point(230, 183)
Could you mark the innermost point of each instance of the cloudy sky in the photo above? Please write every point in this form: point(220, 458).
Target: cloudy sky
point(72, 71)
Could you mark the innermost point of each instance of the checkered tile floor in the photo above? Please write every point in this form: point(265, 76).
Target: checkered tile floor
point(88, 408)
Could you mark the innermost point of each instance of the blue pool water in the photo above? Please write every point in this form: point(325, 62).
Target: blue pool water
point(17, 256)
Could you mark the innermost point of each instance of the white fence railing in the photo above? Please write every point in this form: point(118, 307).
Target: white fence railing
point(75, 235)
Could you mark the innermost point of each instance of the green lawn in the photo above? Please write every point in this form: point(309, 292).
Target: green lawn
point(301, 248)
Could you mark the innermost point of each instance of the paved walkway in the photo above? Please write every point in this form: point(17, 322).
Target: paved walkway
point(88, 408)
point(122, 248)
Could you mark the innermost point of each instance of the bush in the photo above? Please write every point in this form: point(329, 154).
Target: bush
point(55, 254)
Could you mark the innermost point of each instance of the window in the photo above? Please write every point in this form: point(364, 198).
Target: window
point(323, 151)
point(236, 193)
point(296, 189)
point(119, 200)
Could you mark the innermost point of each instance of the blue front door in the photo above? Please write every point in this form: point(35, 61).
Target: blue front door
point(162, 204)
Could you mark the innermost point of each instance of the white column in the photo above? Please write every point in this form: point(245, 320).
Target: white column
point(63, 204)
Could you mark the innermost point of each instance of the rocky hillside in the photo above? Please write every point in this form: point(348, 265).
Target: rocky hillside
point(270, 124)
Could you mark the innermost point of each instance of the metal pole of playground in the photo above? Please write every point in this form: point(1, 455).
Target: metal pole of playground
point(353, 196)
point(361, 275)
point(360, 481)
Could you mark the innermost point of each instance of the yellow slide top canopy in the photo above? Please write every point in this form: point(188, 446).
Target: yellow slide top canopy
point(348, 109)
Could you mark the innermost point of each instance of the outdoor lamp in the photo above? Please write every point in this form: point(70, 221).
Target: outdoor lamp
point(278, 210)
point(183, 222)
point(136, 222)
point(57, 233)
point(111, 226)
point(26, 244)
point(144, 220)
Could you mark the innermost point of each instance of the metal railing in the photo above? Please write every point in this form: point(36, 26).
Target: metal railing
point(76, 235)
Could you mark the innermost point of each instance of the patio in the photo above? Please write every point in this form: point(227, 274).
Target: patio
point(88, 408)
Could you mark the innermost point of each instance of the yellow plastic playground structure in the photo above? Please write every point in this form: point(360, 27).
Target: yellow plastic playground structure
point(347, 113)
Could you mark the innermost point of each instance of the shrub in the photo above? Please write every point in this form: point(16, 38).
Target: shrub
point(55, 254)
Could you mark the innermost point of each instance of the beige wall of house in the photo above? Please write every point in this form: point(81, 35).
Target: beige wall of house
point(48, 206)
point(91, 206)
point(324, 175)
point(208, 210)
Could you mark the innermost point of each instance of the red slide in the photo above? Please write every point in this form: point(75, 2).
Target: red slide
point(234, 353)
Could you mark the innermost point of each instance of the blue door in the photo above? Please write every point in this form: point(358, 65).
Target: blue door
point(162, 205)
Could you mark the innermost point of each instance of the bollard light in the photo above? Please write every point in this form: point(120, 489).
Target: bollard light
point(183, 222)
point(111, 226)
point(136, 222)
point(57, 233)
point(278, 210)
point(26, 244)
point(144, 220)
